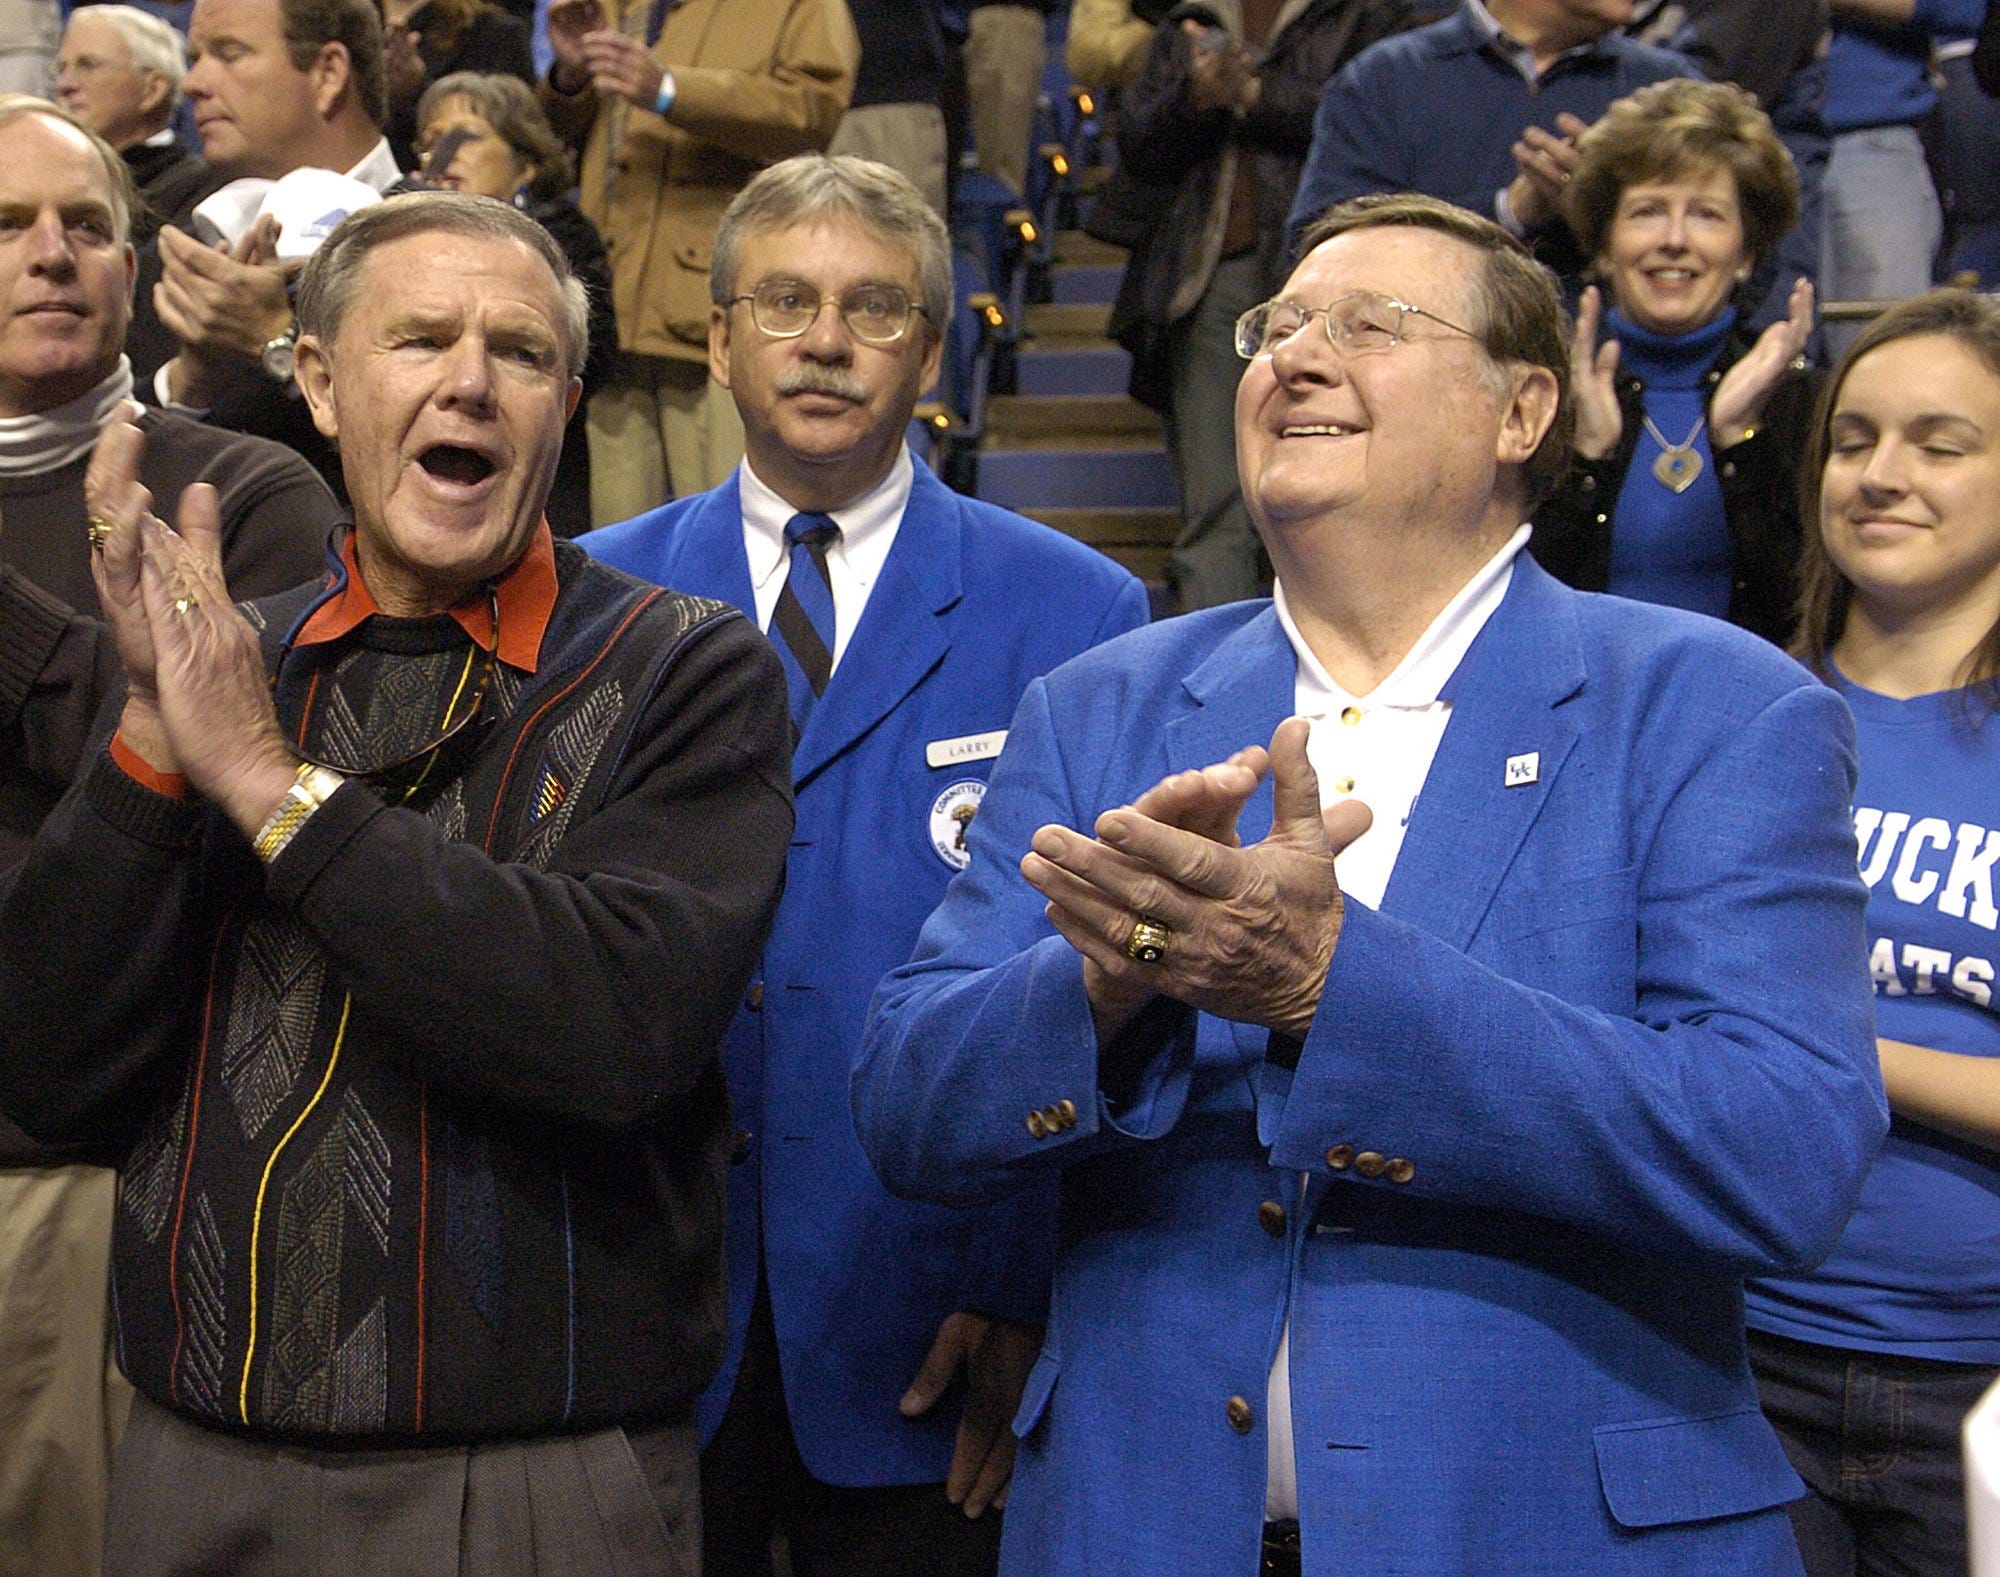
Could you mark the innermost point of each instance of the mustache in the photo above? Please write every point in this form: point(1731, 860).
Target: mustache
point(812, 378)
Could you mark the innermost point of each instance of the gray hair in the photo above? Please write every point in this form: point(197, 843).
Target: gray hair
point(815, 185)
point(1519, 304)
point(327, 287)
point(154, 45)
point(510, 107)
point(117, 173)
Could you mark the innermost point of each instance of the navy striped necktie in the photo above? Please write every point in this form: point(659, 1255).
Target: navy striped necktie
point(802, 622)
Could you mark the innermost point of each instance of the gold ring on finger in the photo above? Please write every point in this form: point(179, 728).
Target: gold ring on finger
point(1148, 942)
point(182, 604)
point(99, 528)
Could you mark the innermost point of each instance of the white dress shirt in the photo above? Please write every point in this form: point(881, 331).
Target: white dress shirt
point(1376, 748)
point(868, 527)
point(378, 168)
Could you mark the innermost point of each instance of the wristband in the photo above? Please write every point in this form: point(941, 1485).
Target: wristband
point(312, 786)
point(664, 99)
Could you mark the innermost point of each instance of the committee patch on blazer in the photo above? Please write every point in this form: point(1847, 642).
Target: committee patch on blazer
point(951, 818)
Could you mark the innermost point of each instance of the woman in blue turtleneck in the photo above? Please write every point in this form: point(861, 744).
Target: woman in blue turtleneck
point(1684, 488)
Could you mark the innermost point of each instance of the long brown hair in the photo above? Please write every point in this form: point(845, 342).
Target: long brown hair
point(1825, 594)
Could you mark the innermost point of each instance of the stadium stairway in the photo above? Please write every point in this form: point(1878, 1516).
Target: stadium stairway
point(1068, 446)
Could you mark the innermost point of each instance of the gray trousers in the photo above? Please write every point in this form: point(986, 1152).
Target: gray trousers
point(190, 1502)
point(1216, 554)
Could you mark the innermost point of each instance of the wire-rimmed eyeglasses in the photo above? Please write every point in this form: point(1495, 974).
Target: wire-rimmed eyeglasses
point(1359, 323)
point(81, 66)
point(399, 780)
point(874, 314)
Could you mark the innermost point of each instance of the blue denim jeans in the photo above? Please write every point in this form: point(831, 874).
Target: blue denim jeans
point(1875, 1437)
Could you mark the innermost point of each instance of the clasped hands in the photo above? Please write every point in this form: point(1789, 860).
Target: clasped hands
point(223, 304)
point(197, 701)
point(1220, 73)
point(1252, 930)
point(590, 52)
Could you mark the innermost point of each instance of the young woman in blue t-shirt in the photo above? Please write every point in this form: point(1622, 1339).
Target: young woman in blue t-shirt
point(1869, 1364)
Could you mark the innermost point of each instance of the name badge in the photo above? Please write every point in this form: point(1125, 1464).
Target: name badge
point(967, 747)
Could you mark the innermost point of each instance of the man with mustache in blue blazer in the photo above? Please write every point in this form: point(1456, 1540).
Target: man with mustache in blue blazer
point(1430, 1078)
point(909, 621)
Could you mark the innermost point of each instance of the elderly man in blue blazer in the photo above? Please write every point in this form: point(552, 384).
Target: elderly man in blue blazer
point(909, 621)
point(1422, 1085)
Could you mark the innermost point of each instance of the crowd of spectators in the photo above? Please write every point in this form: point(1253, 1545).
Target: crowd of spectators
point(1701, 180)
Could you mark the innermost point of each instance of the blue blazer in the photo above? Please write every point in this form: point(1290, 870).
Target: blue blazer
point(973, 602)
point(1605, 1050)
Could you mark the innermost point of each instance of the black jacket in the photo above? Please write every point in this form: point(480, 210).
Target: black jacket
point(1181, 156)
point(493, 42)
point(461, 1085)
point(1760, 501)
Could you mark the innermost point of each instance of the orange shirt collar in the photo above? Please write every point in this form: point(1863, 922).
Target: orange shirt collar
point(527, 595)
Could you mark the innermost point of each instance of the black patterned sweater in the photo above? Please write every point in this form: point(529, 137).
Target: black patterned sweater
point(423, 1131)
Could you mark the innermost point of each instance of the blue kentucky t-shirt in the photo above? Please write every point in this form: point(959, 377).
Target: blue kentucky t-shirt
point(1917, 1272)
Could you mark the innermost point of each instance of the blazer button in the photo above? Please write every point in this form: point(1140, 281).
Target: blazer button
point(754, 998)
point(1369, 1163)
point(1066, 1110)
point(1340, 1157)
point(1271, 1217)
point(1052, 1118)
point(739, 1147)
point(1038, 1125)
point(1399, 1170)
point(1241, 1419)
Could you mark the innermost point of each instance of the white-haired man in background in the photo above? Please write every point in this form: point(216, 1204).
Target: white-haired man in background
point(119, 71)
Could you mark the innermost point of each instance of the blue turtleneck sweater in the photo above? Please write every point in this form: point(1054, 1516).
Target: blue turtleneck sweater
point(1669, 547)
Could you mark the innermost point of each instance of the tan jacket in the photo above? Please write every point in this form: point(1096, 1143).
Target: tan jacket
point(1107, 43)
point(755, 81)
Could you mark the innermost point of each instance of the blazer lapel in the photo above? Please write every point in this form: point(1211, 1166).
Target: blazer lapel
point(903, 633)
point(1505, 743)
point(1240, 694)
point(708, 558)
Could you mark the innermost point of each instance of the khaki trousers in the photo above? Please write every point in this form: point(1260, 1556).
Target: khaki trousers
point(62, 1404)
point(659, 429)
point(1004, 55)
point(190, 1502)
point(909, 138)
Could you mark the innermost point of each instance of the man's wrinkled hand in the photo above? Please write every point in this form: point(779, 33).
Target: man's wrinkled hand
point(214, 700)
point(1546, 161)
point(1252, 931)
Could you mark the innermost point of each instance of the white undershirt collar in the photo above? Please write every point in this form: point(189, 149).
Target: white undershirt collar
point(49, 440)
